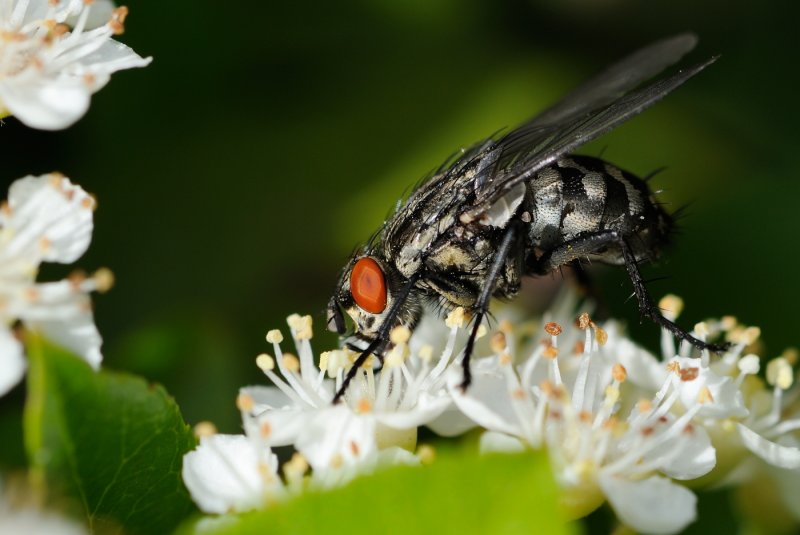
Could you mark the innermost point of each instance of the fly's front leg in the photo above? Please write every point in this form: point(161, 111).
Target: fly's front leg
point(482, 303)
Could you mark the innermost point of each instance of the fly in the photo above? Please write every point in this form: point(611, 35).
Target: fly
point(517, 205)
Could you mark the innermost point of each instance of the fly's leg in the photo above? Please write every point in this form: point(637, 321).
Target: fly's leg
point(587, 244)
point(482, 302)
point(381, 339)
point(649, 309)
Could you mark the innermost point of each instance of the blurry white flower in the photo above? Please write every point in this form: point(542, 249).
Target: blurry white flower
point(604, 439)
point(55, 54)
point(27, 519)
point(46, 219)
point(231, 473)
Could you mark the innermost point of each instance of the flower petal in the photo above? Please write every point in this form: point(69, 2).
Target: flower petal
point(652, 505)
point(227, 473)
point(47, 104)
point(500, 442)
point(697, 457)
point(51, 215)
point(63, 314)
point(12, 361)
point(773, 453)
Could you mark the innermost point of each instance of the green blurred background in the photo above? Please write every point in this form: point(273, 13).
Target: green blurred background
point(236, 173)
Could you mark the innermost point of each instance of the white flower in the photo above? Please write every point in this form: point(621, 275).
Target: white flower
point(55, 54)
point(743, 414)
point(46, 219)
point(25, 518)
point(606, 436)
point(378, 419)
point(231, 473)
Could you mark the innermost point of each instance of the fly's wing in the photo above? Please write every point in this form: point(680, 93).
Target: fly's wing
point(590, 111)
point(618, 79)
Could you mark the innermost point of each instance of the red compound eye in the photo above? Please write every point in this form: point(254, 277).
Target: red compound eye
point(367, 285)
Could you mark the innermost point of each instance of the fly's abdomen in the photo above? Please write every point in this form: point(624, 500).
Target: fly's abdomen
point(581, 195)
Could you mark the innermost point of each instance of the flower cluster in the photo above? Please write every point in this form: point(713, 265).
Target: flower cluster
point(46, 219)
point(619, 424)
point(55, 54)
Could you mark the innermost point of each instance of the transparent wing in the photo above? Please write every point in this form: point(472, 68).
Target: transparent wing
point(585, 114)
point(618, 79)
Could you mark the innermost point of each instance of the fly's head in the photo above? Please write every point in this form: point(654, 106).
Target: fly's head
point(366, 292)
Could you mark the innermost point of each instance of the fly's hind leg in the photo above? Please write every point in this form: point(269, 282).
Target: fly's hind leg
point(587, 244)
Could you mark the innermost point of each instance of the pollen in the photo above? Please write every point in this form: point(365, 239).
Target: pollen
point(701, 328)
point(550, 352)
point(671, 306)
point(103, 280)
point(552, 328)
point(290, 362)
point(117, 22)
point(498, 342)
point(455, 318)
point(749, 364)
point(244, 402)
point(400, 335)
point(600, 334)
point(265, 429)
point(274, 336)
point(265, 362)
point(705, 396)
point(644, 406)
point(506, 327)
point(673, 367)
point(296, 466)
point(204, 429)
point(300, 326)
point(426, 454)
point(583, 321)
point(779, 373)
point(689, 374)
point(619, 373)
point(728, 323)
point(363, 406)
point(425, 353)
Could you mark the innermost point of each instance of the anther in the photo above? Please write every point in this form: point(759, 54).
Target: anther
point(583, 321)
point(498, 342)
point(204, 429)
point(265, 362)
point(103, 280)
point(455, 318)
point(400, 335)
point(274, 336)
point(290, 362)
point(689, 374)
point(779, 373)
point(619, 373)
point(671, 306)
point(552, 328)
point(244, 402)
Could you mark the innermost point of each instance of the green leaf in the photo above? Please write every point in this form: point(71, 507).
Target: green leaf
point(109, 441)
point(458, 493)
